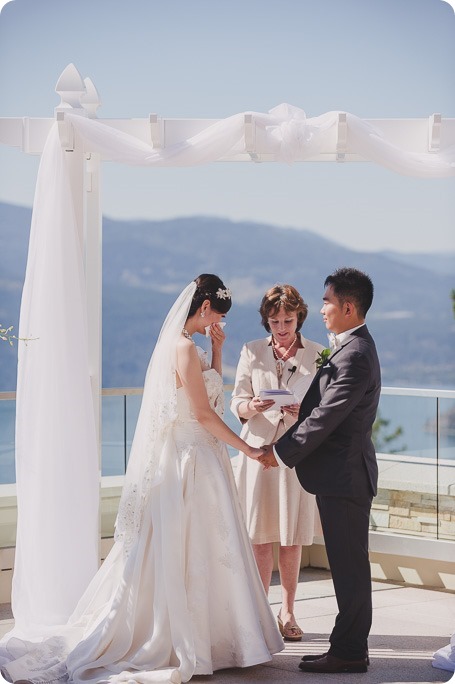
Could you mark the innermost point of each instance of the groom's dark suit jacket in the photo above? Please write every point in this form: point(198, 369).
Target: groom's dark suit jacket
point(330, 445)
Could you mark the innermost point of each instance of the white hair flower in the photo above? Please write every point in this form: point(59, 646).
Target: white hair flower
point(223, 294)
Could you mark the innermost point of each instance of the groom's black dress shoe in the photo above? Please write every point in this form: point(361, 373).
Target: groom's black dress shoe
point(314, 656)
point(308, 658)
point(329, 663)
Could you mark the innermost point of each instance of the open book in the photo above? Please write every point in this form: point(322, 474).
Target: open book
point(281, 397)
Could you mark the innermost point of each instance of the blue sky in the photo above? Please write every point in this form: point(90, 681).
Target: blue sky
point(214, 58)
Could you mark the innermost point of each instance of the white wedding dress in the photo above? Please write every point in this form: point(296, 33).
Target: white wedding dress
point(187, 597)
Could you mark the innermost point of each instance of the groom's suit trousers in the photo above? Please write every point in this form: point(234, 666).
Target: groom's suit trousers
point(345, 525)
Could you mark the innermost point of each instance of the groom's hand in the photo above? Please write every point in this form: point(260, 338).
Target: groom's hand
point(268, 459)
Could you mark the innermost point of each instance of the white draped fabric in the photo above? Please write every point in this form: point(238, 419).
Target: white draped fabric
point(444, 658)
point(288, 133)
point(56, 450)
point(57, 469)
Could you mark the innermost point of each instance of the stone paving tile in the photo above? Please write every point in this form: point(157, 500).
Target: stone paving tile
point(436, 618)
point(5, 626)
point(310, 607)
point(5, 611)
point(402, 596)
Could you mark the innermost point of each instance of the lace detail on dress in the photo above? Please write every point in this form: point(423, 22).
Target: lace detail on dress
point(203, 358)
point(214, 386)
point(129, 518)
point(231, 652)
point(45, 661)
point(213, 383)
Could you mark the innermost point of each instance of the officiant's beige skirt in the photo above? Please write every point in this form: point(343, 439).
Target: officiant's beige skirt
point(275, 506)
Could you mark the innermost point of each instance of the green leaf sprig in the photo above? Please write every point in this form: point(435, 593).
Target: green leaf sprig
point(322, 357)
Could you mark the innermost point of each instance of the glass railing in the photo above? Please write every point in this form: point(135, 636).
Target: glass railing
point(120, 409)
point(415, 442)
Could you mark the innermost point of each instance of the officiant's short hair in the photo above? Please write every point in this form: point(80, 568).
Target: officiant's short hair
point(285, 296)
point(349, 284)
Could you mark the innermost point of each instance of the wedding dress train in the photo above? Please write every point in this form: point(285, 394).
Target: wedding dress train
point(187, 597)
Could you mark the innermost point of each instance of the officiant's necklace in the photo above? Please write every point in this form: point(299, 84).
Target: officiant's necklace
point(281, 360)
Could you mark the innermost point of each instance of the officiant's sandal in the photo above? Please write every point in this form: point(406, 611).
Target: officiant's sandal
point(289, 632)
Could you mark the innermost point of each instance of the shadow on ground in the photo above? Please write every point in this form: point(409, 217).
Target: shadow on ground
point(395, 659)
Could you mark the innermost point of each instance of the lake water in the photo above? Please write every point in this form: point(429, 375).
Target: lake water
point(408, 426)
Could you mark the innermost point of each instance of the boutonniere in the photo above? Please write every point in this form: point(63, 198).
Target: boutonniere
point(322, 357)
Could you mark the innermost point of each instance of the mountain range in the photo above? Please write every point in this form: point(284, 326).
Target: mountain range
point(146, 264)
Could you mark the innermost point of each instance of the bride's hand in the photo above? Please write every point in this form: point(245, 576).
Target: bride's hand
point(218, 336)
point(253, 452)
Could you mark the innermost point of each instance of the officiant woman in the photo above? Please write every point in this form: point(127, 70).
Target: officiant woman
point(276, 508)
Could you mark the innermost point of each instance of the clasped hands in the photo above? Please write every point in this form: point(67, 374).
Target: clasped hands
point(265, 456)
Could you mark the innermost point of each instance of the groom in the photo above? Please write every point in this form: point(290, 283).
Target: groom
point(331, 449)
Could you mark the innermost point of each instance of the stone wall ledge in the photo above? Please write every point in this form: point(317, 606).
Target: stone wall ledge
point(415, 474)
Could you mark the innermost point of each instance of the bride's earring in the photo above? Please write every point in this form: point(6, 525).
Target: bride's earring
point(202, 314)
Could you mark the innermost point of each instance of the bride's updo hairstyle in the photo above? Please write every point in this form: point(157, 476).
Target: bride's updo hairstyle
point(211, 287)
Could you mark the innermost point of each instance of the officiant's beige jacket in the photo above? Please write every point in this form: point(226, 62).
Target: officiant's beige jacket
point(256, 370)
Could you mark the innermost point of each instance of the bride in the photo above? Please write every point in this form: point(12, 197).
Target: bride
point(179, 594)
